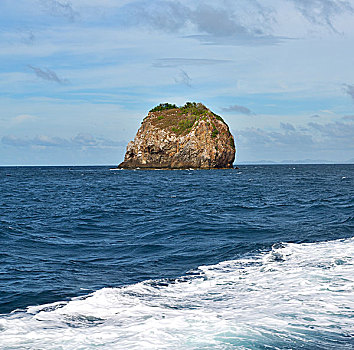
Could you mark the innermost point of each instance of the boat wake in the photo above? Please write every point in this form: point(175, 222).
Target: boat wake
point(295, 296)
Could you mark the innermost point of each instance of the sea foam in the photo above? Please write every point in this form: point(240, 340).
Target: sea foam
point(295, 296)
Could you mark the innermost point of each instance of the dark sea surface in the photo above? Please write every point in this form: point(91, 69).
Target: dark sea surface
point(259, 257)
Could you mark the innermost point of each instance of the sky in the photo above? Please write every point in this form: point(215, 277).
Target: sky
point(77, 77)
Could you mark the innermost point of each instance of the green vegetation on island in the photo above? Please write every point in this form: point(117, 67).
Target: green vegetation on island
point(163, 107)
point(181, 120)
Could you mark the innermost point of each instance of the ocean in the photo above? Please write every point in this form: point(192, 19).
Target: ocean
point(260, 257)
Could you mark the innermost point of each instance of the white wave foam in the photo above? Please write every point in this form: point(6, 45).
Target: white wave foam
point(297, 295)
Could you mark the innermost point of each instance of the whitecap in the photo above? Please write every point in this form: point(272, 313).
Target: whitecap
point(295, 296)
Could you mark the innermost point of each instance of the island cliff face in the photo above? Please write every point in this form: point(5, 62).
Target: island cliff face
point(172, 137)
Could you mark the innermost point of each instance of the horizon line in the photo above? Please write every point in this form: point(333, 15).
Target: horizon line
point(235, 164)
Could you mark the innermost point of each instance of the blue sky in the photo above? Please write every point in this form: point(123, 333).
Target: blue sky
point(77, 77)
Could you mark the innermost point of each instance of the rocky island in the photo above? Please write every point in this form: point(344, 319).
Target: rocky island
point(190, 136)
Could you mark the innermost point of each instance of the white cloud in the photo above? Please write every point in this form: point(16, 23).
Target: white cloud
point(124, 56)
point(62, 8)
point(177, 62)
point(47, 74)
point(349, 89)
point(22, 118)
point(183, 78)
point(238, 109)
point(323, 12)
point(80, 141)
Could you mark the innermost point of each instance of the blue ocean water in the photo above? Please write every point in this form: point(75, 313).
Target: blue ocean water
point(259, 257)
